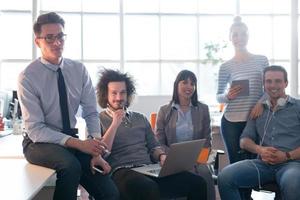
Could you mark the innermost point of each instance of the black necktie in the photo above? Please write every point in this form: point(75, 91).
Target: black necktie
point(63, 101)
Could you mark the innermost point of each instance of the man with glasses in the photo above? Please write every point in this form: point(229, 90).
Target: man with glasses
point(50, 90)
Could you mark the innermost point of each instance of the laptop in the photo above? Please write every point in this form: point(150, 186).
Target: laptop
point(181, 157)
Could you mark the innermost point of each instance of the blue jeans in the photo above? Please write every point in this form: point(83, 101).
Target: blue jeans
point(72, 168)
point(231, 132)
point(252, 173)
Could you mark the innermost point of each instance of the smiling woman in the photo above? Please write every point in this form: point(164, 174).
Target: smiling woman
point(185, 119)
point(243, 67)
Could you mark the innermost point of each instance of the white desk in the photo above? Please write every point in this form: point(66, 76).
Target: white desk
point(15, 170)
point(21, 180)
point(11, 146)
point(6, 132)
point(11, 150)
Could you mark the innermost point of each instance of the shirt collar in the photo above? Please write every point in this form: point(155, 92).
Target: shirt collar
point(289, 99)
point(174, 105)
point(51, 66)
point(177, 106)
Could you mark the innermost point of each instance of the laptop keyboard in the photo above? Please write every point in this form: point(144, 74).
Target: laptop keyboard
point(154, 171)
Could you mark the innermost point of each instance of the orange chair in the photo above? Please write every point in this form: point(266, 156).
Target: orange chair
point(203, 156)
point(153, 120)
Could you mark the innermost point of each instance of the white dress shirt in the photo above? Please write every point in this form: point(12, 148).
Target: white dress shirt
point(39, 98)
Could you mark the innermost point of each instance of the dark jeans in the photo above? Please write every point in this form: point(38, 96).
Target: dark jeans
point(231, 132)
point(72, 168)
point(136, 186)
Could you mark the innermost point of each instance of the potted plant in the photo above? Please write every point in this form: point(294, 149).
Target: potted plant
point(213, 52)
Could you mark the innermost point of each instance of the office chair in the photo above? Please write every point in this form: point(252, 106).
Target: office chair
point(213, 163)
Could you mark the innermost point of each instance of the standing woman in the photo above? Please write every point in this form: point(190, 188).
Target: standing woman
point(185, 119)
point(243, 66)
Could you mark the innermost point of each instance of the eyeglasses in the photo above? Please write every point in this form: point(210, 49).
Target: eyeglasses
point(50, 38)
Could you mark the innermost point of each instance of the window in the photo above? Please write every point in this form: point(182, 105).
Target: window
point(10, 71)
point(151, 39)
point(101, 37)
point(179, 37)
point(16, 40)
point(141, 37)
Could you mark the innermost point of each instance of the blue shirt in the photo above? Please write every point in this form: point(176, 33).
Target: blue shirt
point(280, 129)
point(184, 125)
point(39, 98)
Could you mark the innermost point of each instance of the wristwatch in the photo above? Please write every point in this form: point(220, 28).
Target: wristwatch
point(288, 156)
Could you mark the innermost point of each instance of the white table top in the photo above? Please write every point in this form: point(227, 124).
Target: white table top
point(11, 146)
point(5, 132)
point(21, 180)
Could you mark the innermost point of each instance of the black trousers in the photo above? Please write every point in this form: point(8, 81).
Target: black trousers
point(72, 168)
point(136, 186)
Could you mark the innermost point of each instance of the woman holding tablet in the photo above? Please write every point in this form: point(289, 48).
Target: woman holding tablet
point(243, 74)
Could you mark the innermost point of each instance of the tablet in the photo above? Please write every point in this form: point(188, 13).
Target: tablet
point(245, 87)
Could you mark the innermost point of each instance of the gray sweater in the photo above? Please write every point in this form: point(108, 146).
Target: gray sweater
point(134, 143)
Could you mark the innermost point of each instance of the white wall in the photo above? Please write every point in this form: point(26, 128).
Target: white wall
point(148, 104)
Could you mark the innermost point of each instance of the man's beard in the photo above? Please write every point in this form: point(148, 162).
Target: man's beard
point(121, 105)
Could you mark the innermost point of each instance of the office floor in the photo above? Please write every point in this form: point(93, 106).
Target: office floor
point(255, 195)
point(47, 194)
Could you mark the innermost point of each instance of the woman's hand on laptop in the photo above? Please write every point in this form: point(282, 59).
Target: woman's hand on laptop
point(162, 158)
